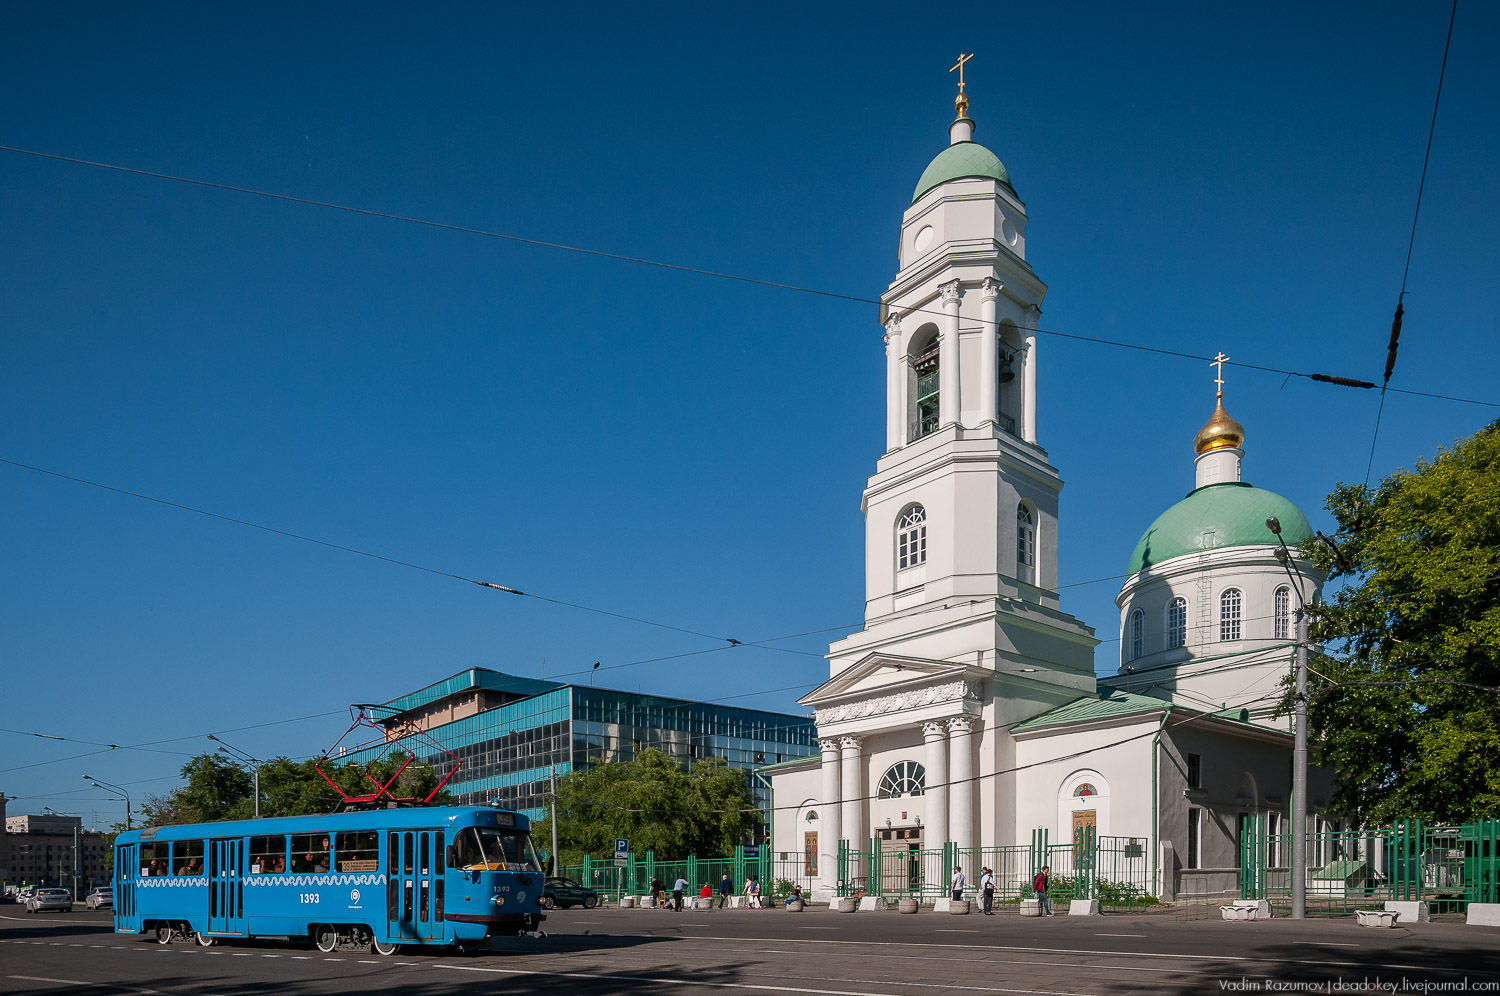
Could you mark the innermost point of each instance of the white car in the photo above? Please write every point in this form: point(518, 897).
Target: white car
point(50, 899)
point(102, 896)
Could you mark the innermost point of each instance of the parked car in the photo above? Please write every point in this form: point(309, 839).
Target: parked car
point(565, 892)
point(50, 899)
point(102, 896)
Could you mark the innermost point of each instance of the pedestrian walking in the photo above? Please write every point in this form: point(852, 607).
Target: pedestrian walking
point(726, 887)
point(752, 889)
point(677, 889)
point(1039, 887)
point(958, 884)
point(987, 890)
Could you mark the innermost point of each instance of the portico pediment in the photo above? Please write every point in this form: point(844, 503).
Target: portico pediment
point(885, 685)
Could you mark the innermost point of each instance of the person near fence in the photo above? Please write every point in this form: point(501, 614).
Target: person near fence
point(752, 889)
point(707, 892)
point(677, 890)
point(726, 888)
point(987, 890)
point(796, 895)
point(1039, 887)
point(958, 884)
point(656, 892)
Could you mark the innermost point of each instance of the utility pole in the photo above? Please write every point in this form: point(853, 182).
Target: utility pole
point(1298, 861)
point(556, 863)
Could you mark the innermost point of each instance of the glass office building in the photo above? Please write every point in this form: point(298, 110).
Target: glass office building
point(511, 733)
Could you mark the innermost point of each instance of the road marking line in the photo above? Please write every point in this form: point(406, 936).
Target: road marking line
point(369, 963)
point(1331, 944)
point(270, 956)
point(954, 930)
point(301, 957)
point(1096, 934)
point(244, 954)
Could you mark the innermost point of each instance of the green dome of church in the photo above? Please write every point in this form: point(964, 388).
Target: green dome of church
point(1218, 516)
point(958, 161)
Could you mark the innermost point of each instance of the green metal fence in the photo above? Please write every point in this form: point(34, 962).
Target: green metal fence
point(633, 878)
point(1447, 867)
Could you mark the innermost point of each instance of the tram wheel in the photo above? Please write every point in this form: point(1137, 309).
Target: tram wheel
point(384, 948)
point(204, 941)
point(327, 937)
point(164, 934)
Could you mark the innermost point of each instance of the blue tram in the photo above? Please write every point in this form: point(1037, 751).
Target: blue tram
point(373, 880)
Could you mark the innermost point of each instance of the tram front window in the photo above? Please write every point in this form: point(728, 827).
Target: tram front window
point(483, 849)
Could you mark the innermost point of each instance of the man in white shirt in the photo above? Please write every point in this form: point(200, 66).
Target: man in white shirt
point(677, 888)
point(958, 884)
point(987, 890)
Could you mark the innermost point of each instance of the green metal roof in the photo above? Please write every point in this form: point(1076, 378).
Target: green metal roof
point(1109, 702)
point(474, 677)
point(960, 160)
point(1216, 516)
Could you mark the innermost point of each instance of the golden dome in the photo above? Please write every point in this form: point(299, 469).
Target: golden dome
point(1219, 432)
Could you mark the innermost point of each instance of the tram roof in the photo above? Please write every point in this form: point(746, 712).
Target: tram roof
point(402, 818)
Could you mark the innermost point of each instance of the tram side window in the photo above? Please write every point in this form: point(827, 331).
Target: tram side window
point(310, 852)
point(267, 855)
point(187, 857)
point(155, 858)
point(357, 851)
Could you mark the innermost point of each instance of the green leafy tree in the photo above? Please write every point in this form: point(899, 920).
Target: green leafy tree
point(216, 789)
point(656, 804)
point(1405, 708)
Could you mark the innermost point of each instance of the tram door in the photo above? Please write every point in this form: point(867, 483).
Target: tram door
point(413, 873)
point(226, 887)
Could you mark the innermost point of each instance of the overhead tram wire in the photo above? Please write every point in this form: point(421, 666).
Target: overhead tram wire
point(698, 271)
point(1395, 340)
point(373, 556)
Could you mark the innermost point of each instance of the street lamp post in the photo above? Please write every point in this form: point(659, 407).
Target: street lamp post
point(225, 748)
point(1299, 743)
point(100, 783)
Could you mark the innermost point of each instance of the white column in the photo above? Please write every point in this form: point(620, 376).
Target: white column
point(935, 831)
point(854, 802)
point(963, 790)
point(1028, 396)
point(828, 817)
point(895, 384)
point(948, 380)
point(989, 390)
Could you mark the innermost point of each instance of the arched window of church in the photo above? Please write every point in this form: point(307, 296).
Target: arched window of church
point(1084, 790)
point(924, 364)
point(1229, 614)
point(905, 778)
point(1283, 612)
point(911, 538)
point(1137, 634)
point(1177, 623)
point(1025, 544)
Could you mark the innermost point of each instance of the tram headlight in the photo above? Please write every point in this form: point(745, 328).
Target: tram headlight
point(498, 900)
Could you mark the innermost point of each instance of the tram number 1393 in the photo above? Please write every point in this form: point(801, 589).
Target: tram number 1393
point(309, 897)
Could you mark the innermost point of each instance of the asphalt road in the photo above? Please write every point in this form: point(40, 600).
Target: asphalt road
point(607, 951)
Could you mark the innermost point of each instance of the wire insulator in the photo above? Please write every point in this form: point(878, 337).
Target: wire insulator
point(1341, 381)
point(1390, 354)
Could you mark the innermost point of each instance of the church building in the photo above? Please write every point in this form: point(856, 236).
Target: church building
point(965, 716)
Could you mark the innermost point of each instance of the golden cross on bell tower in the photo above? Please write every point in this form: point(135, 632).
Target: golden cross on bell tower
point(961, 103)
point(1219, 361)
point(960, 67)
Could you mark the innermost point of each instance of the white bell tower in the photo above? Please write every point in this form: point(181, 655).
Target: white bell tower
point(961, 516)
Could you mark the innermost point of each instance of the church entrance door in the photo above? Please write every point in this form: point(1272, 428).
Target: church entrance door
point(1085, 830)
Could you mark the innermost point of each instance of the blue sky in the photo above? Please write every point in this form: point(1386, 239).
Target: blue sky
point(659, 444)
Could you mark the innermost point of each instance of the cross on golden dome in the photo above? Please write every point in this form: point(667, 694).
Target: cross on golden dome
point(1221, 430)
